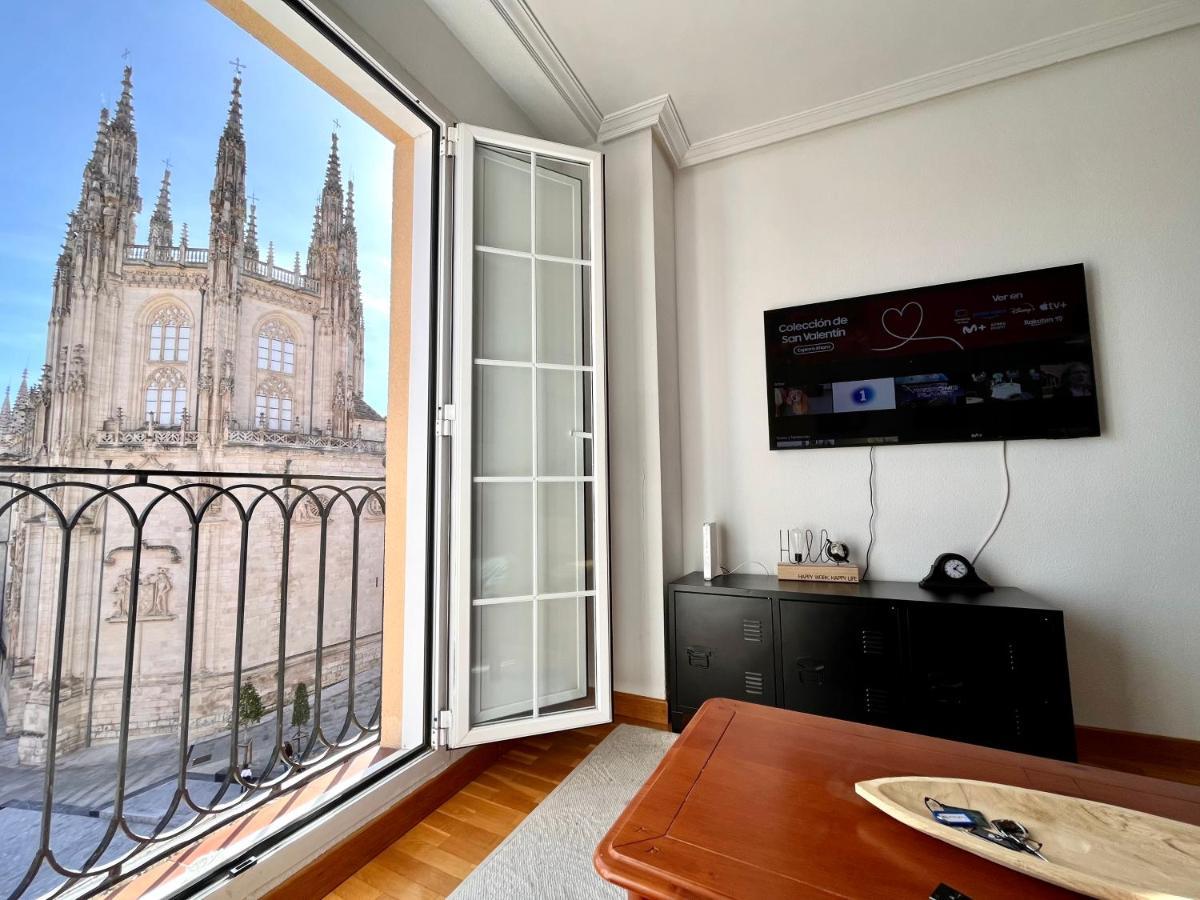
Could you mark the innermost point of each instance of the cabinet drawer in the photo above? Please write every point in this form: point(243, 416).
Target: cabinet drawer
point(724, 647)
point(841, 660)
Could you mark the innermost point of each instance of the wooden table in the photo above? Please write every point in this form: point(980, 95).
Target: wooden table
point(758, 802)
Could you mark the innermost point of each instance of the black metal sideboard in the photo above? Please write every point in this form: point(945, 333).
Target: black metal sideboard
point(989, 670)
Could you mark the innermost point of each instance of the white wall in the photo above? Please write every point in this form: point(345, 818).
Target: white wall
point(644, 473)
point(1096, 160)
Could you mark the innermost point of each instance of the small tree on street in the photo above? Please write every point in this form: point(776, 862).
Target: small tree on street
point(250, 712)
point(301, 712)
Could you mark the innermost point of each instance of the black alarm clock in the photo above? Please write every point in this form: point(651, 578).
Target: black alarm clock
point(954, 574)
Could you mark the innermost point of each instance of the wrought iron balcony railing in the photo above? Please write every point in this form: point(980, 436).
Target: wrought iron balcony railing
point(157, 624)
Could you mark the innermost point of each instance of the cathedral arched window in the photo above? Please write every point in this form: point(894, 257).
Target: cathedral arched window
point(166, 398)
point(276, 348)
point(273, 405)
point(170, 335)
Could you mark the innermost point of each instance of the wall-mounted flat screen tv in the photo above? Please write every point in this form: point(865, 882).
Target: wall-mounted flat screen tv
point(998, 358)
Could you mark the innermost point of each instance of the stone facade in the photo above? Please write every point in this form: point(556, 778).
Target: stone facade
point(167, 357)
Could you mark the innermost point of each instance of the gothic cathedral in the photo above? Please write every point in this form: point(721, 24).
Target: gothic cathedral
point(204, 361)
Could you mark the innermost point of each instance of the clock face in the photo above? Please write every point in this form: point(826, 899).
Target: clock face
point(954, 568)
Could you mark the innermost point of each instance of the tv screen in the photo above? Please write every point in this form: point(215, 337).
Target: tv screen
point(997, 358)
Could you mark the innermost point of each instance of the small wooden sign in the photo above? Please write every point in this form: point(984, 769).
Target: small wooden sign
point(807, 572)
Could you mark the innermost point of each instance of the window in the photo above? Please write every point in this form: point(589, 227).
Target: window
point(273, 406)
point(266, 695)
point(166, 398)
point(276, 348)
point(170, 335)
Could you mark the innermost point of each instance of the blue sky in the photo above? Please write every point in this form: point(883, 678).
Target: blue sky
point(63, 61)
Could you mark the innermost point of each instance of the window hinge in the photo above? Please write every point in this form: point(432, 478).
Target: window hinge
point(443, 728)
point(445, 420)
point(450, 142)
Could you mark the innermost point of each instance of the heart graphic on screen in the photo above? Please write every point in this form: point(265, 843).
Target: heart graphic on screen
point(908, 320)
point(903, 320)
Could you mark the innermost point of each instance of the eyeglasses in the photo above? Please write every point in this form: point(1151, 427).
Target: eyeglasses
point(1004, 832)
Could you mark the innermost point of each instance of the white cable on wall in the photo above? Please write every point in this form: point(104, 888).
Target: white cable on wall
point(1003, 506)
point(871, 520)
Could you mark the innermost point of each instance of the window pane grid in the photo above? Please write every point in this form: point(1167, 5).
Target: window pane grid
point(170, 336)
point(273, 411)
point(165, 407)
point(276, 354)
point(532, 545)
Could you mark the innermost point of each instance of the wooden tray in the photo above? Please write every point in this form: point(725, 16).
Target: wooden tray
point(1094, 848)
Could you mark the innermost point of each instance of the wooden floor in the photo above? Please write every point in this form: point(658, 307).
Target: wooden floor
point(439, 852)
point(1108, 754)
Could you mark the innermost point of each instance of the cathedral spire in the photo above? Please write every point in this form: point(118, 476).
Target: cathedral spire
point(348, 218)
point(228, 198)
point(252, 231)
point(100, 146)
point(124, 117)
point(348, 243)
point(327, 220)
point(233, 123)
point(333, 168)
point(5, 411)
point(23, 390)
point(109, 199)
point(161, 227)
point(162, 208)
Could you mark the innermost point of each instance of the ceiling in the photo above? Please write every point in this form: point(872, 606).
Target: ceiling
point(745, 73)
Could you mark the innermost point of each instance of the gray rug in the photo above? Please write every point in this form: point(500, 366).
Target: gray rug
point(550, 852)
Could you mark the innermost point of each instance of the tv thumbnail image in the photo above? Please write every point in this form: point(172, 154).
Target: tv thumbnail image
point(865, 395)
point(835, 397)
point(1065, 380)
point(803, 400)
point(1006, 385)
point(936, 389)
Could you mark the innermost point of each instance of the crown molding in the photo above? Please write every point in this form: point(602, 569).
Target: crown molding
point(1127, 29)
point(525, 25)
point(659, 115)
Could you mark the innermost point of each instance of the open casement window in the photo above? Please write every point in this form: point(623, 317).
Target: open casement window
point(529, 583)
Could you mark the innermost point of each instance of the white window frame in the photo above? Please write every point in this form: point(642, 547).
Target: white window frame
point(461, 732)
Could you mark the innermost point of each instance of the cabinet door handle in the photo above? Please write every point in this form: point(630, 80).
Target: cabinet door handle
point(699, 656)
point(811, 671)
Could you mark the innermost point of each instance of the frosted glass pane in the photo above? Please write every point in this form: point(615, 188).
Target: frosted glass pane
point(563, 412)
point(502, 540)
point(502, 663)
point(564, 333)
point(502, 429)
point(502, 198)
point(564, 537)
point(565, 658)
point(503, 304)
point(561, 216)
